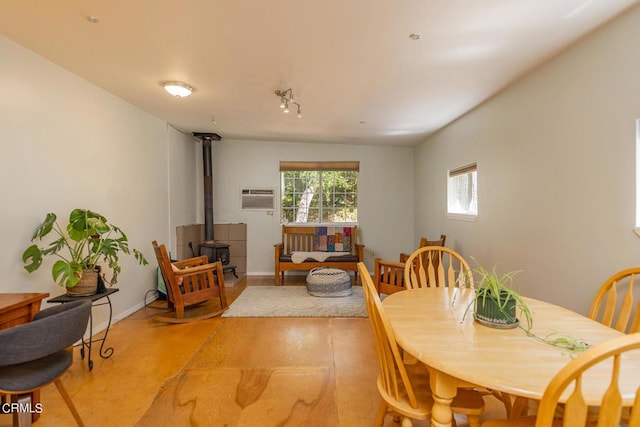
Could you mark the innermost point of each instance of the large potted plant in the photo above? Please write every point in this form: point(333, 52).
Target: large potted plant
point(87, 243)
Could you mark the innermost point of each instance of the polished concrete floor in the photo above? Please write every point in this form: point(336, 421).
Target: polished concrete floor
point(227, 372)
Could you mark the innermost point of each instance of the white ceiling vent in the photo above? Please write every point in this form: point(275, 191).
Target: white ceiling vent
point(258, 199)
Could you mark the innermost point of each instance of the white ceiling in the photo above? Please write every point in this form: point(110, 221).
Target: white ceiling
point(350, 63)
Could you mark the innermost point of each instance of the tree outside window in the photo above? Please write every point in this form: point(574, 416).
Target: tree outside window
point(319, 192)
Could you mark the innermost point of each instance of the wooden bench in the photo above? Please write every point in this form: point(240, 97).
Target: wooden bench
point(309, 239)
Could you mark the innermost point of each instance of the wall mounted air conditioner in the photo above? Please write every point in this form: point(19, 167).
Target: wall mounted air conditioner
point(258, 199)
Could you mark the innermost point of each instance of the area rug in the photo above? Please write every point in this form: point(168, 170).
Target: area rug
point(294, 301)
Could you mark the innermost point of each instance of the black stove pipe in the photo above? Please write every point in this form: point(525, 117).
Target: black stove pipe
point(207, 169)
point(208, 190)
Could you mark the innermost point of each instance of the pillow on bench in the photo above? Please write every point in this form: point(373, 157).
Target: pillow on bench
point(332, 239)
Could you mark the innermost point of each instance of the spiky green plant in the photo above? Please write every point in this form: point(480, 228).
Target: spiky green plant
point(571, 345)
point(501, 289)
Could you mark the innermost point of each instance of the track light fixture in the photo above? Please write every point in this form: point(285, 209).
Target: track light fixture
point(286, 98)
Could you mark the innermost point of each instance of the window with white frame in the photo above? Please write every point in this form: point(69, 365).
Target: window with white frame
point(462, 191)
point(319, 192)
point(637, 227)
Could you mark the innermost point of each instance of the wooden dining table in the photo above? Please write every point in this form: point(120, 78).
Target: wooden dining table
point(436, 327)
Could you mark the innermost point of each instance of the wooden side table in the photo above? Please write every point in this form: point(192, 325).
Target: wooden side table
point(105, 353)
point(19, 308)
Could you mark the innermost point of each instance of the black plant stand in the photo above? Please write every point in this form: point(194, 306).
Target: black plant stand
point(105, 353)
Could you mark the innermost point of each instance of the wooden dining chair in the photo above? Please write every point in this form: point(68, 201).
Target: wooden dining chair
point(613, 306)
point(189, 283)
point(405, 389)
point(437, 266)
point(615, 302)
point(575, 412)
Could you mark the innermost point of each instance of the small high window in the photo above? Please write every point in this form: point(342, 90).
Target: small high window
point(637, 227)
point(462, 191)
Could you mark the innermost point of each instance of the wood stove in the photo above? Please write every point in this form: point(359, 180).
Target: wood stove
point(216, 252)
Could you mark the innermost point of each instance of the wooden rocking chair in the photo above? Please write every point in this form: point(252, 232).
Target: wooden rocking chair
point(190, 283)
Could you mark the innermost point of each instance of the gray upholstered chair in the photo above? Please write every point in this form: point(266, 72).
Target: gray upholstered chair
point(35, 354)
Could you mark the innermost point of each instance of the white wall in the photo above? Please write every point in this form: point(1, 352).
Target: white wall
point(556, 171)
point(385, 193)
point(64, 143)
point(185, 182)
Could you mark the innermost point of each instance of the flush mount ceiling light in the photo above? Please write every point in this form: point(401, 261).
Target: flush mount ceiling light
point(178, 89)
point(286, 99)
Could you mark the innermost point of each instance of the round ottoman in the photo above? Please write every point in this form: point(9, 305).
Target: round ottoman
point(328, 282)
